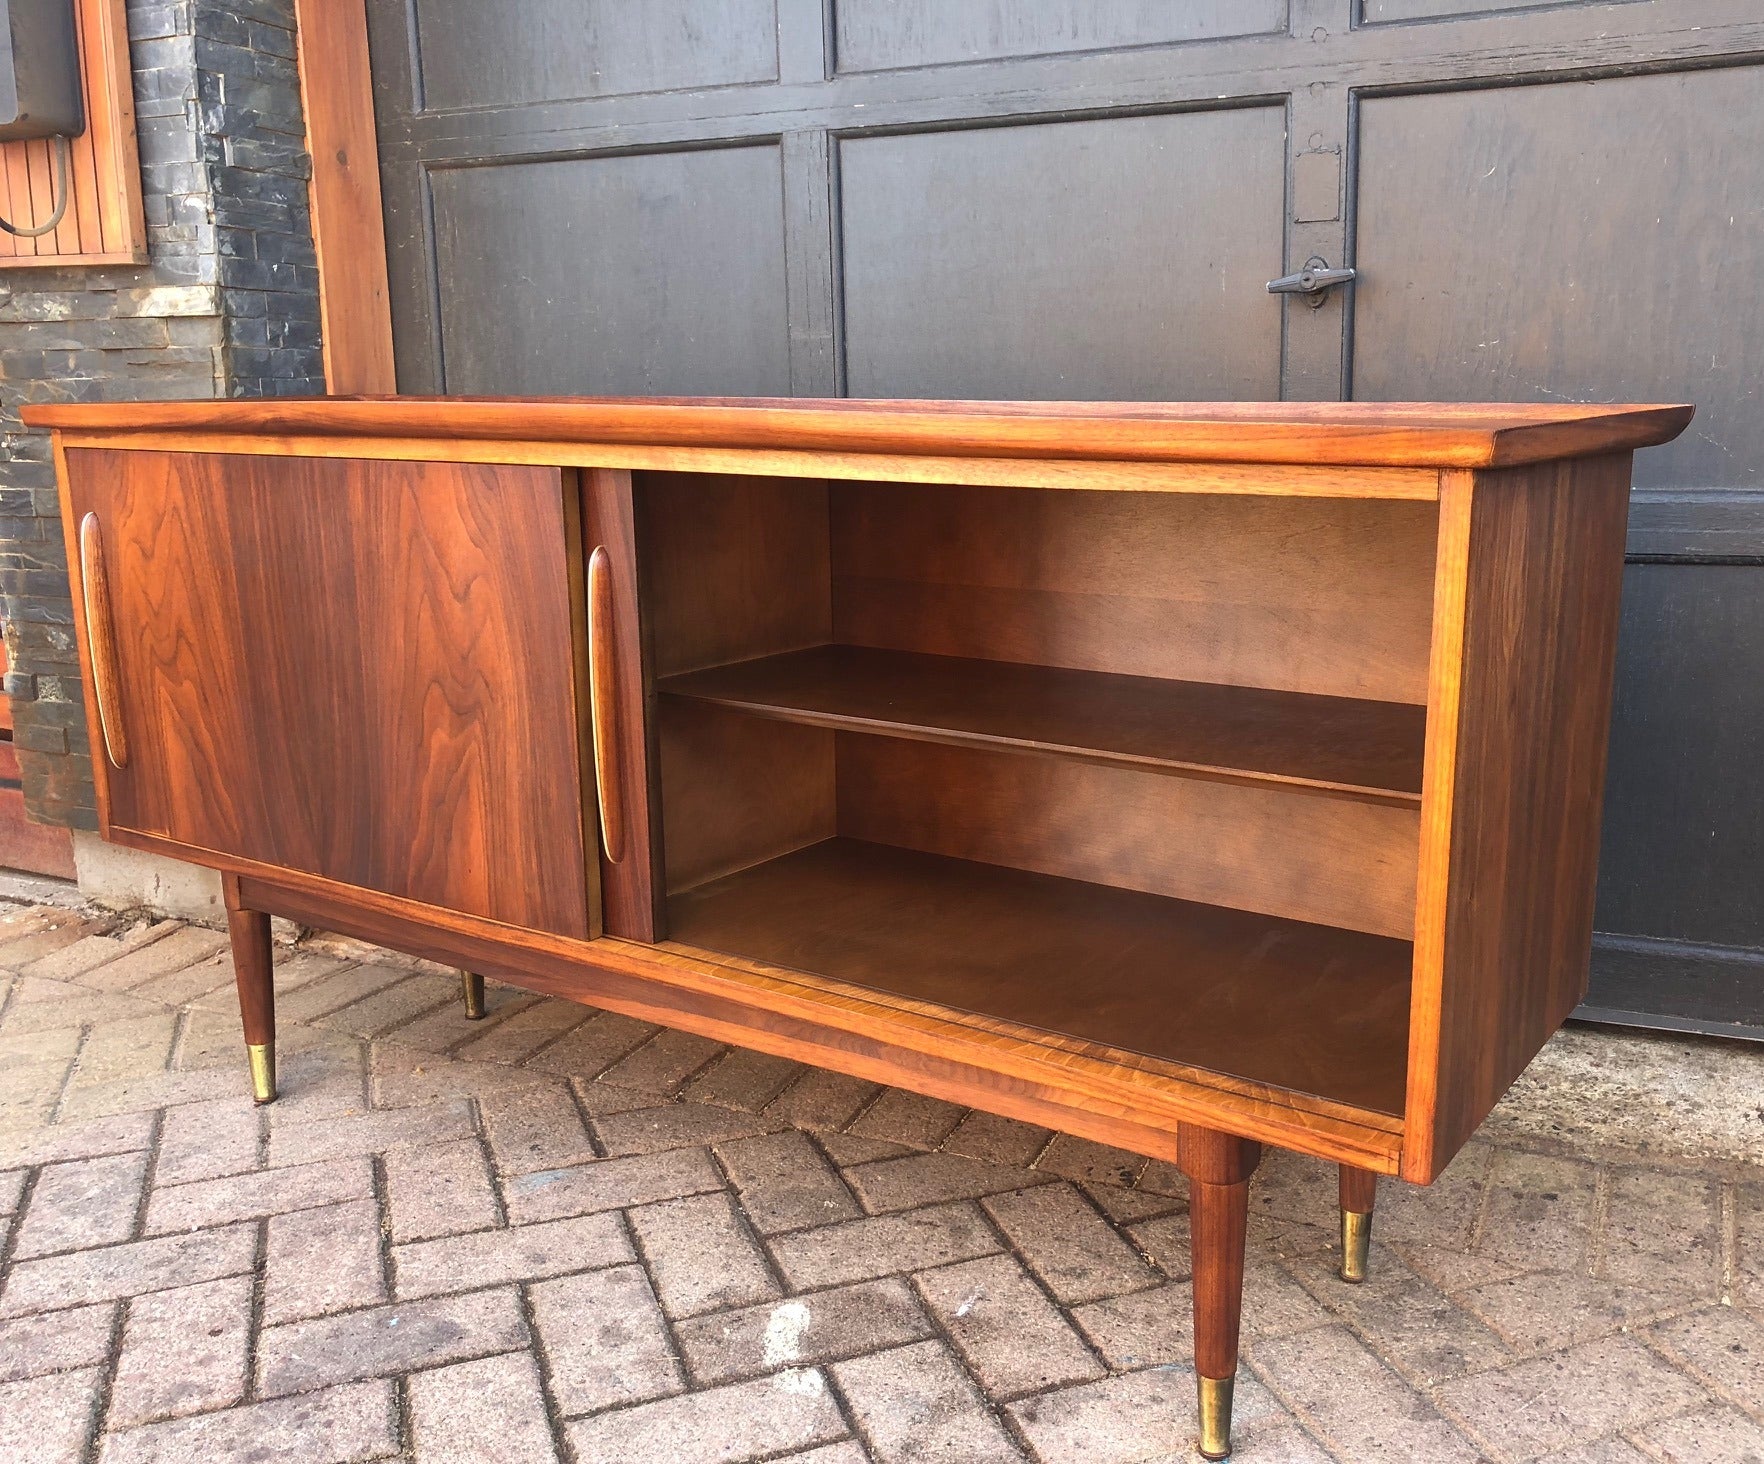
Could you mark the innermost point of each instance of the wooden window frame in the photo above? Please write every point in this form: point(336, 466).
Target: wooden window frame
point(105, 222)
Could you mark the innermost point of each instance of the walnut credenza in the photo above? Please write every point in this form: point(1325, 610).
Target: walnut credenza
point(1188, 778)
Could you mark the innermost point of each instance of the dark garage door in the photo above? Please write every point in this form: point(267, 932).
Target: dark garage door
point(1084, 198)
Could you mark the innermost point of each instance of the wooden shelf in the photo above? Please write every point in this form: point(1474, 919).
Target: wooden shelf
point(1362, 749)
point(1308, 1008)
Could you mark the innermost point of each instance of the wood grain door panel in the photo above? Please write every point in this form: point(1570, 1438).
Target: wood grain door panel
point(359, 670)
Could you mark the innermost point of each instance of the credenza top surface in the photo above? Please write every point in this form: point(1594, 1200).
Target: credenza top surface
point(1351, 434)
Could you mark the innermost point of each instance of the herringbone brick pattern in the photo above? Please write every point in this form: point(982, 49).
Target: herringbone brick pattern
point(563, 1234)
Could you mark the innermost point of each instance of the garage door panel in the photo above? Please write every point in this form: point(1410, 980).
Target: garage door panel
point(1598, 240)
point(653, 273)
point(499, 53)
point(1109, 258)
point(1373, 12)
point(874, 35)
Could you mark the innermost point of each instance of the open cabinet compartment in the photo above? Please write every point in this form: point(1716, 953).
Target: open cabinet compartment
point(1136, 772)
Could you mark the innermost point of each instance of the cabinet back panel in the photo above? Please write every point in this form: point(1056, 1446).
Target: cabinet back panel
point(1333, 861)
point(734, 566)
point(1332, 596)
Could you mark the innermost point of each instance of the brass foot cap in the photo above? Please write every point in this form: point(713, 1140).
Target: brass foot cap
point(1356, 1241)
point(1215, 1416)
point(472, 985)
point(263, 1071)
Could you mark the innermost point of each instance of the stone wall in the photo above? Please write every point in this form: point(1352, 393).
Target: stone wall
point(228, 306)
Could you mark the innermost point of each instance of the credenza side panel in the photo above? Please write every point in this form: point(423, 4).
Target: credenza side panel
point(362, 670)
point(1531, 565)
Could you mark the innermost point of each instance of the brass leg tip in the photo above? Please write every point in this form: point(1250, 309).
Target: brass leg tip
point(472, 985)
point(1215, 1416)
point(263, 1070)
point(1356, 1241)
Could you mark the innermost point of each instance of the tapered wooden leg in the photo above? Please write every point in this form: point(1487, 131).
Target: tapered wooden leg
point(1218, 1166)
point(253, 974)
point(472, 987)
point(1359, 1192)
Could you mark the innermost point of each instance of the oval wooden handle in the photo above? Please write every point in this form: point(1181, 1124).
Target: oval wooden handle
point(609, 781)
point(101, 641)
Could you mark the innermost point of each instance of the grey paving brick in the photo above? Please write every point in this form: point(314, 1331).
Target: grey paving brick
point(997, 1140)
point(252, 1196)
point(117, 1134)
point(135, 1095)
point(134, 1048)
point(605, 1340)
point(390, 1007)
point(1360, 1409)
point(331, 1426)
point(87, 1202)
point(48, 1420)
point(1709, 1436)
point(55, 1342)
point(1013, 1339)
point(743, 1079)
point(1662, 1232)
point(1125, 1207)
point(1407, 1321)
point(78, 1278)
point(488, 1411)
point(701, 1255)
point(929, 1179)
point(205, 978)
point(664, 1063)
point(384, 1340)
point(823, 1100)
point(883, 1245)
point(183, 1351)
point(535, 1127)
point(312, 1140)
point(1089, 1162)
point(520, 1253)
point(848, 1149)
point(400, 1076)
point(322, 1260)
point(1605, 1387)
point(447, 1026)
point(207, 1139)
point(915, 1404)
point(176, 949)
point(45, 1006)
point(610, 1184)
point(31, 1091)
point(819, 1327)
point(1141, 1417)
point(590, 1049)
point(90, 951)
point(907, 1118)
point(1546, 1310)
point(744, 1421)
point(1606, 1451)
point(1077, 1254)
point(785, 1183)
point(519, 1036)
point(440, 1189)
point(1722, 1347)
point(1539, 1212)
point(675, 1126)
point(343, 984)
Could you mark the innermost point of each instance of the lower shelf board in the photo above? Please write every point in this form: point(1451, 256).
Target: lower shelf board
point(1309, 1008)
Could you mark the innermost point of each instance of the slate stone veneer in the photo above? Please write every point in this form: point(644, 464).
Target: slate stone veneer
point(228, 306)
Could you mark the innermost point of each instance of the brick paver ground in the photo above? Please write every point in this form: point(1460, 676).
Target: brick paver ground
point(564, 1234)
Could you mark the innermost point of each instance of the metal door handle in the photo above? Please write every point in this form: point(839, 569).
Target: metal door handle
point(609, 786)
point(101, 640)
point(1314, 281)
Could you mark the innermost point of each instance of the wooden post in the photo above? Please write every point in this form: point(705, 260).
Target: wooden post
point(253, 973)
point(1218, 1166)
